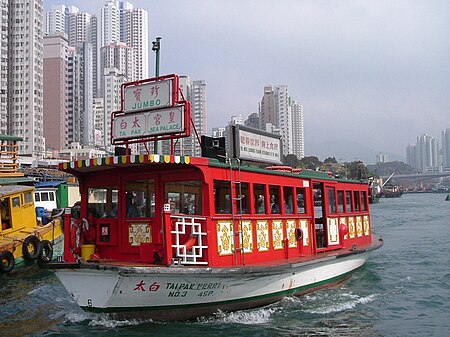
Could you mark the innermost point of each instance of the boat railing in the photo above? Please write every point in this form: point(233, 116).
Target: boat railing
point(189, 242)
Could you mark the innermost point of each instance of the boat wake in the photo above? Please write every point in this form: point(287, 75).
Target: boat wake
point(246, 317)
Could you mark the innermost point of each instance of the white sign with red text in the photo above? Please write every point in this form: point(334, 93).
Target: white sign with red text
point(148, 123)
point(147, 96)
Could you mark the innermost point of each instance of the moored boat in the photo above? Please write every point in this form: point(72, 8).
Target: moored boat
point(176, 237)
point(23, 240)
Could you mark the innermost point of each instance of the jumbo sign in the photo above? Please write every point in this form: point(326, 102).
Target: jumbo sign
point(151, 110)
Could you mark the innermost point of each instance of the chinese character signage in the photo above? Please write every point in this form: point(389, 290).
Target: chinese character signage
point(256, 145)
point(147, 96)
point(148, 123)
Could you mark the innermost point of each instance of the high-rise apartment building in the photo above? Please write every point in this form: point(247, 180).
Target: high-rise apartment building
point(113, 79)
point(135, 35)
point(55, 91)
point(446, 149)
point(278, 111)
point(120, 56)
point(25, 80)
point(426, 154)
point(55, 20)
point(298, 132)
point(109, 23)
point(4, 66)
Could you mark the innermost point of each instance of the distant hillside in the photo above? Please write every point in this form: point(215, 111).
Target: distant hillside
point(345, 150)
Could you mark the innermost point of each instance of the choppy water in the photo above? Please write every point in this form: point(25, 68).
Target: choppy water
point(403, 290)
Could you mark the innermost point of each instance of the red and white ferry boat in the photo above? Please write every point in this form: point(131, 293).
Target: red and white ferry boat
point(177, 237)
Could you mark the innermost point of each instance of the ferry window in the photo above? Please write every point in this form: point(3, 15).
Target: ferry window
point(356, 198)
point(44, 196)
point(140, 198)
point(184, 196)
point(274, 199)
point(341, 201)
point(37, 197)
point(28, 197)
point(5, 214)
point(331, 200)
point(243, 206)
point(348, 200)
point(52, 196)
point(364, 200)
point(301, 209)
point(260, 199)
point(222, 196)
point(288, 196)
point(16, 202)
point(102, 202)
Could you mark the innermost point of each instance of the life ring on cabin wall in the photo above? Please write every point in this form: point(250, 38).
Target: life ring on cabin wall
point(75, 237)
point(31, 247)
point(7, 262)
point(298, 234)
point(46, 253)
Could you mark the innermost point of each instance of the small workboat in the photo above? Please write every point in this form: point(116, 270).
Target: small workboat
point(447, 198)
point(24, 235)
point(24, 240)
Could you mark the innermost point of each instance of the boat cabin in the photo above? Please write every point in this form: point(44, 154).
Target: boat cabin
point(198, 211)
point(16, 208)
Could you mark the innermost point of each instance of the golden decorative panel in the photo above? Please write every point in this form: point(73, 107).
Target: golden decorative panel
point(290, 230)
point(351, 227)
point(359, 229)
point(225, 244)
point(277, 234)
point(247, 236)
point(366, 224)
point(262, 235)
point(138, 233)
point(304, 227)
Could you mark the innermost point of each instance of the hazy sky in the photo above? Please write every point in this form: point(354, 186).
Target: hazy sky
point(376, 72)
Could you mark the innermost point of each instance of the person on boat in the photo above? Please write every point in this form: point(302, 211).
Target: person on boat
point(132, 210)
point(260, 206)
point(274, 207)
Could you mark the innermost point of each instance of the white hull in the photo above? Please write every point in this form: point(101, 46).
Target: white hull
point(173, 293)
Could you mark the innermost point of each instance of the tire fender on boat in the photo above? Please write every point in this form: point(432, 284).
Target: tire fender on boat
point(46, 253)
point(7, 262)
point(34, 242)
point(75, 237)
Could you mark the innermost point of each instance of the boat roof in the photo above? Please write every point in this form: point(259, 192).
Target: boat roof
point(107, 163)
point(12, 189)
point(15, 180)
point(43, 184)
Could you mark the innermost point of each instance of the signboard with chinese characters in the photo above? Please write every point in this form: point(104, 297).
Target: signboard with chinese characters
point(145, 96)
point(148, 124)
point(256, 145)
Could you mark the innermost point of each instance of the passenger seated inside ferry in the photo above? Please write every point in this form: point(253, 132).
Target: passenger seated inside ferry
point(132, 210)
point(274, 207)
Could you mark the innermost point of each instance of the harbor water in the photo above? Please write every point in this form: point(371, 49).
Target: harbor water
point(403, 290)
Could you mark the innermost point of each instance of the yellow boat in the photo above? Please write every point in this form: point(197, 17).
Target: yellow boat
point(24, 240)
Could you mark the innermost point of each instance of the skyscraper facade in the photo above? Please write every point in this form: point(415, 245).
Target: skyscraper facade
point(446, 149)
point(25, 80)
point(55, 91)
point(279, 111)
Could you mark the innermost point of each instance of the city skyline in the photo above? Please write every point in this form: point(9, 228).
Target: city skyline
point(366, 71)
